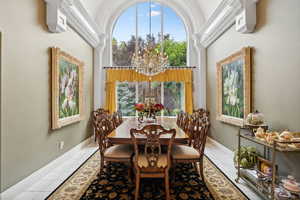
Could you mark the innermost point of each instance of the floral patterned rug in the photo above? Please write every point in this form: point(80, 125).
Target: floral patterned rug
point(87, 184)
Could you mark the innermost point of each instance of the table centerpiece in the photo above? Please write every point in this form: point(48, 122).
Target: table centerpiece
point(148, 110)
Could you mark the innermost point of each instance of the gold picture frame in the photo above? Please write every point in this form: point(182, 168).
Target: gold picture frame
point(67, 89)
point(234, 87)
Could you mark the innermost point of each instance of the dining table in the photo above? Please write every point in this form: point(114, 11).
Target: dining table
point(121, 135)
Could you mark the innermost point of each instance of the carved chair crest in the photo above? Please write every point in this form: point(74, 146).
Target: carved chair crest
point(152, 149)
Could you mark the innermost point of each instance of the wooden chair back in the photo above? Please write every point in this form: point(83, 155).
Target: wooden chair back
point(98, 115)
point(201, 112)
point(179, 118)
point(103, 129)
point(102, 111)
point(190, 128)
point(152, 149)
point(117, 119)
point(184, 121)
point(200, 134)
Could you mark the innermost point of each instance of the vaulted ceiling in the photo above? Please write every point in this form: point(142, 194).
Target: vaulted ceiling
point(195, 12)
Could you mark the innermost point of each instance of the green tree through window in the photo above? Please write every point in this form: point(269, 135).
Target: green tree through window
point(124, 39)
point(171, 94)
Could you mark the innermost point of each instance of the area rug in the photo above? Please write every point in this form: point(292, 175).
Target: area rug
point(87, 184)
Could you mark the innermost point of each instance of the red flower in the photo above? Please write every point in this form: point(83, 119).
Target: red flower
point(158, 107)
point(139, 107)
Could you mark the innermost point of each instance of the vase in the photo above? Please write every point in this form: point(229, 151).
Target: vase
point(141, 118)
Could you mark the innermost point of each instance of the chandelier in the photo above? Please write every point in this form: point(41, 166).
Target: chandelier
point(151, 60)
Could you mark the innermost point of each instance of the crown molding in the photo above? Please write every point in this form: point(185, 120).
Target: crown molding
point(77, 18)
point(221, 19)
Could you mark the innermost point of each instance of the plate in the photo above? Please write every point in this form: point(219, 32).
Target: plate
point(292, 187)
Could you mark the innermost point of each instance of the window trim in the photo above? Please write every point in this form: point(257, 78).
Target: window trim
point(187, 29)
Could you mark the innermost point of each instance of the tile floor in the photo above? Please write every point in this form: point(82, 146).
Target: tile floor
point(223, 159)
point(220, 155)
point(41, 189)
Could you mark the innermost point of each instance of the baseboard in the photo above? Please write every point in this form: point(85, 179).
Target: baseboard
point(221, 146)
point(21, 186)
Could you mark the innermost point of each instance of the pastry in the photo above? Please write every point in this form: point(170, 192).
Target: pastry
point(282, 145)
point(286, 135)
point(294, 145)
point(260, 133)
point(271, 136)
point(296, 139)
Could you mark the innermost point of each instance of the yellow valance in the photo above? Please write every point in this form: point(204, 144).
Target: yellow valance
point(128, 75)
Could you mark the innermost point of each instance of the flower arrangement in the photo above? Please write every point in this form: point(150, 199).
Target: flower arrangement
point(149, 109)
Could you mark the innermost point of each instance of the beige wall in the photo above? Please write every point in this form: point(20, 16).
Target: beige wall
point(27, 143)
point(276, 69)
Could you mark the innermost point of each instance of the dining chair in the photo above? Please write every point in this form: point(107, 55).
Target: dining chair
point(102, 111)
point(194, 153)
point(97, 116)
point(119, 117)
point(115, 153)
point(179, 118)
point(151, 162)
point(116, 119)
point(200, 112)
point(189, 128)
point(183, 120)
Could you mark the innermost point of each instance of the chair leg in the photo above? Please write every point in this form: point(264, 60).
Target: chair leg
point(167, 185)
point(201, 169)
point(173, 171)
point(101, 164)
point(130, 173)
point(194, 165)
point(131, 168)
point(137, 186)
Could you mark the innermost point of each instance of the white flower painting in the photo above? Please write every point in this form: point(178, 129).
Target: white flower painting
point(233, 93)
point(234, 87)
point(69, 89)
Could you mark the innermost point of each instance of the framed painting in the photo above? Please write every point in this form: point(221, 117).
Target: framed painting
point(67, 89)
point(234, 87)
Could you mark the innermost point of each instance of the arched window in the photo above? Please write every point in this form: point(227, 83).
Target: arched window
point(124, 33)
point(136, 20)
